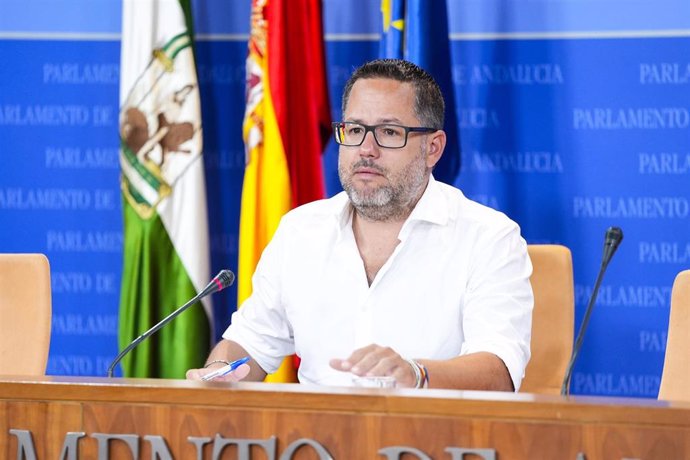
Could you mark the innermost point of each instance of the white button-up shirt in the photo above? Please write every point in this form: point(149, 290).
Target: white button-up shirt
point(457, 283)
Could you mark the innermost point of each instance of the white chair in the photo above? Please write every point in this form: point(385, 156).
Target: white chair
point(25, 314)
point(553, 320)
point(675, 378)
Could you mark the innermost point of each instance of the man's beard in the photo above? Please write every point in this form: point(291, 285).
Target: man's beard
point(394, 200)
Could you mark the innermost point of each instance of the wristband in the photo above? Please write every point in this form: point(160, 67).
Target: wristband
point(222, 361)
point(417, 373)
point(425, 374)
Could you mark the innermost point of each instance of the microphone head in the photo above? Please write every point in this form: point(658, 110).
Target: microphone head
point(614, 236)
point(226, 278)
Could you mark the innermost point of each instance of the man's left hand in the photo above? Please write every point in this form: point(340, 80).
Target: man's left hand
point(374, 361)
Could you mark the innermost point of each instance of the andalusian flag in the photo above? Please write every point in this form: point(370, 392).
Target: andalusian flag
point(286, 127)
point(166, 253)
point(417, 30)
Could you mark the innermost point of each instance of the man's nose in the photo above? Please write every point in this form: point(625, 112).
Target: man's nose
point(369, 147)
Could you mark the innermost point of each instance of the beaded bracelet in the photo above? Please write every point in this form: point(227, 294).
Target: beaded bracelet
point(216, 361)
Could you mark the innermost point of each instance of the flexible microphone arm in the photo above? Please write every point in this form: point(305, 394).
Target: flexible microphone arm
point(222, 280)
point(614, 236)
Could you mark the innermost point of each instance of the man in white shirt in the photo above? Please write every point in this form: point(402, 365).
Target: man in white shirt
point(399, 275)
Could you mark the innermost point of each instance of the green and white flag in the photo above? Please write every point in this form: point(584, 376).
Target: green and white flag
point(166, 251)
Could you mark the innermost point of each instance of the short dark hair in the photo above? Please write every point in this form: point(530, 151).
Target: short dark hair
point(429, 105)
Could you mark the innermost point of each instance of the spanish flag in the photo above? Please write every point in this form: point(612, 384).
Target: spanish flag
point(286, 127)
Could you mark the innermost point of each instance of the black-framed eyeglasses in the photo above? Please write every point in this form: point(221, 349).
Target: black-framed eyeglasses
point(389, 136)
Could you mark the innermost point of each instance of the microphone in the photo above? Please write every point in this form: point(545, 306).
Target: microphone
point(613, 238)
point(222, 280)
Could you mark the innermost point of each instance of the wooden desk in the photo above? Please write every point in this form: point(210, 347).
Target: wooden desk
point(348, 423)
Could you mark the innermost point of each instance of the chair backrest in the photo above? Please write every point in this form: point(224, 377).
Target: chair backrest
point(25, 314)
point(675, 379)
point(553, 319)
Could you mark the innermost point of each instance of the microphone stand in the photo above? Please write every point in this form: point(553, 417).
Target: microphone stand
point(614, 236)
point(224, 279)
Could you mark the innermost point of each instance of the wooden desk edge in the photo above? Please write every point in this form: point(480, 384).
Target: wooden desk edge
point(449, 403)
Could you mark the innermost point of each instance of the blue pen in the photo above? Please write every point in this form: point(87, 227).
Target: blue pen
point(226, 369)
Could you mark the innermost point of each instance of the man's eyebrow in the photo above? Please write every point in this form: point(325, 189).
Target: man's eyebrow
point(380, 121)
point(391, 120)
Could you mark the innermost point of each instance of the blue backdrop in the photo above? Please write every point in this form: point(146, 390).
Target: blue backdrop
point(573, 116)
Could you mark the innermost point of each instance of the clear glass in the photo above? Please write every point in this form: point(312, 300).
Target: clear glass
point(374, 382)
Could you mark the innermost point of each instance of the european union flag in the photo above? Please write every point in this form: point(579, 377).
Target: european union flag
point(417, 30)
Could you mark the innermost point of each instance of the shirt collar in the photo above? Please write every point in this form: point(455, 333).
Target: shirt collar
point(342, 212)
point(432, 206)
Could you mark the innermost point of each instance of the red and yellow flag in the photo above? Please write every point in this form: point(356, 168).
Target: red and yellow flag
point(286, 127)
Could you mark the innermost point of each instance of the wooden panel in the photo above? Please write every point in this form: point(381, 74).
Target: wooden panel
point(429, 434)
point(349, 423)
point(636, 441)
point(535, 440)
point(47, 422)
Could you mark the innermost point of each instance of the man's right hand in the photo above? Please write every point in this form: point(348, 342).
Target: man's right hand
point(234, 376)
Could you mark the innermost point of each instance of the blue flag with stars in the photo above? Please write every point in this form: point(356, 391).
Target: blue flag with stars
point(417, 31)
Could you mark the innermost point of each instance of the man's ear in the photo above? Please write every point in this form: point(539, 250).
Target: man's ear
point(436, 143)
